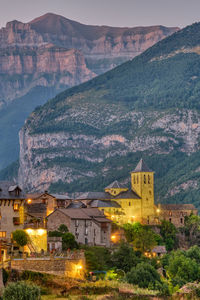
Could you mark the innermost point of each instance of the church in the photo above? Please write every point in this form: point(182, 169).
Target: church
point(123, 205)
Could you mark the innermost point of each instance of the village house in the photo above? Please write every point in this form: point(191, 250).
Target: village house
point(12, 215)
point(49, 201)
point(176, 213)
point(88, 225)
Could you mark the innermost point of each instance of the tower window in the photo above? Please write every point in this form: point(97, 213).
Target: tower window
point(149, 179)
point(129, 203)
point(144, 179)
point(137, 179)
point(134, 180)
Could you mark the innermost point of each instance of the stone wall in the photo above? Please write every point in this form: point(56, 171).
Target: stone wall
point(73, 268)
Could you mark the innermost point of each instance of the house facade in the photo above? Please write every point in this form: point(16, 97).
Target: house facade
point(88, 225)
point(12, 213)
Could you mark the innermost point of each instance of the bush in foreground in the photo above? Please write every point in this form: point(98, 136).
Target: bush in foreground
point(21, 291)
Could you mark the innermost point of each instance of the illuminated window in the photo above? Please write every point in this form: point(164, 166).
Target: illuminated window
point(16, 207)
point(2, 234)
point(170, 213)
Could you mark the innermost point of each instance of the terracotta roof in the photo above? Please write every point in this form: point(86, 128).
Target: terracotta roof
point(177, 207)
point(74, 213)
point(141, 167)
point(115, 185)
point(7, 189)
point(159, 249)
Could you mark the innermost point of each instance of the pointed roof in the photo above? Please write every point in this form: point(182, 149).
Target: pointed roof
point(141, 167)
point(115, 185)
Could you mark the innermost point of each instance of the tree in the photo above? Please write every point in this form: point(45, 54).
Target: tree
point(68, 241)
point(97, 258)
point(124, 258)
point(21, 291)
point(168, 232)
point(63, 228)
point(192, 229)
point(144, 275)
point(142, 236)
point(20, 237)
point(182, 269)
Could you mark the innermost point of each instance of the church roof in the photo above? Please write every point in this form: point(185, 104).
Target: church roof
point(115, 185)
point(106, 196)
point(104, 203)
point(141, 167)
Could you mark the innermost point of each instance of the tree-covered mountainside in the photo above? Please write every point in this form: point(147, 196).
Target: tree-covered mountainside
point(94, 133)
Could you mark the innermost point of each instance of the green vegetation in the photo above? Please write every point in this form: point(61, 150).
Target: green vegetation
point(20, 237)
point(142, 237)
point(68, 239)
point(21, 291)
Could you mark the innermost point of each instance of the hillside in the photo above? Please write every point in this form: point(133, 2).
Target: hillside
point(51, 53)
point(94, 133)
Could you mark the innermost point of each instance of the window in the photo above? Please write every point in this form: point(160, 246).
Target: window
point(149, 192)
point(137, 179)
point(170, 220)
point(2, 234)
point(170, 213)
point(16, 207)
point(181, 220)
point(16, 221)
point(149, 179)
point(76, 222)
point(144, 179)
point(129, 203)
point(134, 181)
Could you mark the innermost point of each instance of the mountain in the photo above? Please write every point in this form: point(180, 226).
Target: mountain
point(51, 53)
point(92, 134)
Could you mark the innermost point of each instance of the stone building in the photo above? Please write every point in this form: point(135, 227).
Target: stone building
point(12, 215)
point(176, 213)
point(52, 201)
point(124, 205)
point(88, 225)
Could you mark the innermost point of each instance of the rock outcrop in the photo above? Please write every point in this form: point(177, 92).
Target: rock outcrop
point(57, 52)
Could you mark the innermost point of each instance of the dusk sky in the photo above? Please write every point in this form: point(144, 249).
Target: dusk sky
point(106, 12)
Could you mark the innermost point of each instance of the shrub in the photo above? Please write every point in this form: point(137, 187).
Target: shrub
point(144, 275)
point(21, 291)
point(124, 258)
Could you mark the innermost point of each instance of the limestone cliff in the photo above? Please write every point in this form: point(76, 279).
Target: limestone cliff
point(94, 133)
point(23, 68)
point(38, 53)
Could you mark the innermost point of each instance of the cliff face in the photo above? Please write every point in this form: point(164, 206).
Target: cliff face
point(67, 51)
point(94, 133)
point(23, 68)
point(49, 157)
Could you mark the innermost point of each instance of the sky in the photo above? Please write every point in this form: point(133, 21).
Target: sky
point(123, 13)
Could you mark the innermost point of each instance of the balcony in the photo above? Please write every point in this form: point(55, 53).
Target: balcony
point(35, 225)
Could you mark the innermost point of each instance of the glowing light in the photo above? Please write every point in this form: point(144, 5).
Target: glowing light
point(158, 210)
point(29, 231)
point(112, 217)
point(29, 201)
point(41, 231)
point(113, 237)
point(79, 267)
point(133, 217)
